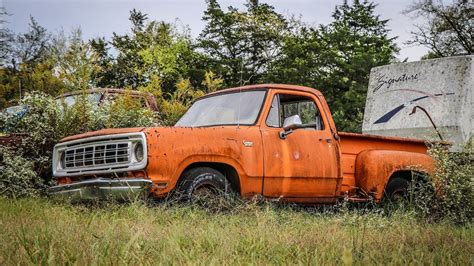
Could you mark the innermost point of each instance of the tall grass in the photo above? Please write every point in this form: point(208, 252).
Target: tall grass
point(36, 231)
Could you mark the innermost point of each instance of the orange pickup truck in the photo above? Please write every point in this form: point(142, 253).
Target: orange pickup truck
point(277, 141)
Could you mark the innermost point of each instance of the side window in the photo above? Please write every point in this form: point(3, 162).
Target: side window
point(273, 118)
point(286, 105)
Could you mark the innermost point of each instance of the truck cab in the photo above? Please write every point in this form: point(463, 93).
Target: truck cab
point(272, 140)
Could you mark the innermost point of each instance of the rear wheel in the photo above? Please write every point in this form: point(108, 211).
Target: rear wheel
point(203, 185)
point(397, 189)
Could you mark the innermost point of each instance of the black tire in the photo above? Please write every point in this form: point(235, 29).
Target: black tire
point(397, 189)
point(197, 181)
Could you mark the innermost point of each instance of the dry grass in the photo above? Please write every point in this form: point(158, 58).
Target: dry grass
point(40, 232)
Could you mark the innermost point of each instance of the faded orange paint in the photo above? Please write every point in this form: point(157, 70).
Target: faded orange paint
point(171, 150)
point(294, 167)
point(309, 166)
point(369, 161)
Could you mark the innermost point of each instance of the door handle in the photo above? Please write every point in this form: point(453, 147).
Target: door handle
point(327, 140)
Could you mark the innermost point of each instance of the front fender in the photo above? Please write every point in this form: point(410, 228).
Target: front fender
point(207, 159)
point(172, 150)
point(373, 168)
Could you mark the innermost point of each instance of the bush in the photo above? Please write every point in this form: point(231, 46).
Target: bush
point(449, 194)
point(126, 111)
point(179, 102)
point(18, 177)
point(40, 124)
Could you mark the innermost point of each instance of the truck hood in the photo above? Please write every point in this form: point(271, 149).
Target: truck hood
point(108, 131)
point(189, 132)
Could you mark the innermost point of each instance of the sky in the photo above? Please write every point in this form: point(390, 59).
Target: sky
point(99, 18)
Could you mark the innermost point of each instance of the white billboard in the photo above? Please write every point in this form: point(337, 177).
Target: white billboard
point(411, 99)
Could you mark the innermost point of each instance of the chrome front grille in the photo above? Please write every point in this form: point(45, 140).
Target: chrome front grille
point(92, 155)
point(100, 155)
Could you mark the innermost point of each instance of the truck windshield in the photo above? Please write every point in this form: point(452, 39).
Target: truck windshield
point(224, 109)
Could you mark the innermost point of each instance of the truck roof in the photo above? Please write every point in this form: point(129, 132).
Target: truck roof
point(149, 96)
point(109, 90)
point(269, 86)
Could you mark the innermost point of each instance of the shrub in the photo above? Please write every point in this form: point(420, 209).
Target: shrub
point(18, 177)
point(179, 102)
point(39, 123)
point(449, 194)
point(125, 111)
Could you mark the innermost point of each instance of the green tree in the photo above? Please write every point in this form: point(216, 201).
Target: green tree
point(76, 62)
point(31, 67)
point(6, 38)
point(337, 59)
point(211, 82)
point(154, 49)
point(14, 84)
point(242, 44)
point(448, 28)
point(128, 59)
point(104, 76)
point(31, 47)
point(170, 56)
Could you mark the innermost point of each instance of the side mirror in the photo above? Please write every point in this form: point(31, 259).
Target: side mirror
point(291, 123)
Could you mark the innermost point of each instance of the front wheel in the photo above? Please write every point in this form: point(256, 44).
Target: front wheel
point(202, 185)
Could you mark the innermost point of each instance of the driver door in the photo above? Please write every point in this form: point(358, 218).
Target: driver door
point(304, 164)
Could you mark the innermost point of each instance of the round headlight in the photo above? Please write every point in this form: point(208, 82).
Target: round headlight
point(139, 152)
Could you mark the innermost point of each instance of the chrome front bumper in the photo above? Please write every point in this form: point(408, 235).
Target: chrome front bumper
point(125, 189)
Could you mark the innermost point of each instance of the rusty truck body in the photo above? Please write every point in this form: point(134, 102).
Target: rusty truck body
point(273, 140)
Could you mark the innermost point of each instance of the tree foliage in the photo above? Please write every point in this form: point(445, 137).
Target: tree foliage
point(337, 59)
point(31, 47)
point(241, 44)
point(76, 61)
point(6, 38)
point(104, 75)
point(448, 28)
point(153, 48)
point(31, 67)
point(251, 45)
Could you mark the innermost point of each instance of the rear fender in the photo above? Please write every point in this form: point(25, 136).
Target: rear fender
point(373, 168)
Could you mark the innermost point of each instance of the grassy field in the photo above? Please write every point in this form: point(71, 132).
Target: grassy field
point(36, 231)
